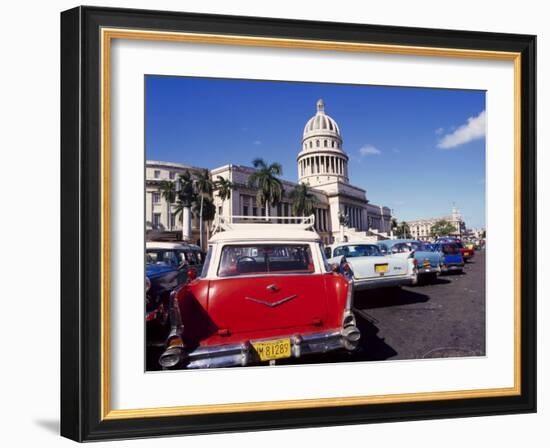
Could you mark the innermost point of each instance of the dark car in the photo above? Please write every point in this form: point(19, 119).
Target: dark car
point(452, 258)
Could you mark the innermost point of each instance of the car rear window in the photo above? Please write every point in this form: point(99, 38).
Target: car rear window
point(265, 258)
point(449, 249)
point(358, 250)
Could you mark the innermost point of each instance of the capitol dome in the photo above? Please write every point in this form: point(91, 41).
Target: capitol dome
point(321, 124)
point(322, 159)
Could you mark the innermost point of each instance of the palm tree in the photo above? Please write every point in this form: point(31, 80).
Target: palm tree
point(404, 230)
point(204, 187)
point(185, 195)
point(302, 200)
point(208, 212)
point(168, 191)
point(270, 188)
point(224, 187)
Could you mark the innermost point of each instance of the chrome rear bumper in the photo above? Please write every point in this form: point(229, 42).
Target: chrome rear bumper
point(243, 354)
point(429, 270)
point(381, 282)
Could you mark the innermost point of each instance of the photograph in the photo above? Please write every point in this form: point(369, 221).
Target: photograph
point(293, 223)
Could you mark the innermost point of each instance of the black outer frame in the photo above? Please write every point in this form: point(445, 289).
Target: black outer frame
point(81, 207)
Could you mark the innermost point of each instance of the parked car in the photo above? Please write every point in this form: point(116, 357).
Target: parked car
point(178, 255)
point(428, 262)
point(369, 268)
point(160, 280)
point(452, 258)
point(266, 293)
point(466, 253)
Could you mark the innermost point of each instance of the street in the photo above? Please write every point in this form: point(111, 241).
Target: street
point(444, 319)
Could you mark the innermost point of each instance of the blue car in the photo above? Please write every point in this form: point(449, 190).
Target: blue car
point(428, 262)
point(160, 280)
point(452, 257)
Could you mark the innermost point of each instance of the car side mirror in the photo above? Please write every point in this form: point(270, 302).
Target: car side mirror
point(335, 267)
point(191, 274)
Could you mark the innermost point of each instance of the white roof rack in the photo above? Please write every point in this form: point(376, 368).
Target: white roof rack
point(264, 227)
point(224, 223)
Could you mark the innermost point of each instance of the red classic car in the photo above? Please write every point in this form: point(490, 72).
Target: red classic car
point(266, 292)
point(466, 252)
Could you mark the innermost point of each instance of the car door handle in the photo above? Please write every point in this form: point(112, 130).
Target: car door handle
point(273, 287)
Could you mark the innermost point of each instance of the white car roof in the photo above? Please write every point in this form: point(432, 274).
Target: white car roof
point(352, 243)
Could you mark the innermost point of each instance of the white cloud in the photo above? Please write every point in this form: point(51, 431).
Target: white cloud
point(369, 150)
point(439, 131)
point(473, 129)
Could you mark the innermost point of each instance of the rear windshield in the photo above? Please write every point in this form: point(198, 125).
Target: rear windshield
point(358, 250)
point(265, 258)
point(449, 249)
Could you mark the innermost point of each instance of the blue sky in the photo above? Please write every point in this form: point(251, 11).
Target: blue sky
point(415, 150)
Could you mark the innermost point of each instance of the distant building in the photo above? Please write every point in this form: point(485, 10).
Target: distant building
point(422, 228)
point(322, 165)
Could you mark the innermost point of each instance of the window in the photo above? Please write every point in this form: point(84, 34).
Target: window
point(192, 258)
point(156, 174)
point(311, 144)
point(333, 143)
point(172, 175)
point(326, 144)
point(156, 197)
point(317, 143)
point(401, 249)
point(254, 211)
point(172, 220)
point(358, 250)
point(245, 210)
point(156, 220)
point(265, 258)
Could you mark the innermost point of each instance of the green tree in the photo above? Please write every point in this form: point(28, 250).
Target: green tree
point(442, 228)
point(303, 201)
point(204, 187)
point(224, 187)
point(403, 230)
point(168, 192)
point(207, 214)
point(185, 195)
point(265, 181)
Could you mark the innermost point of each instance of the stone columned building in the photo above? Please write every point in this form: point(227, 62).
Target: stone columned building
point(322, 164)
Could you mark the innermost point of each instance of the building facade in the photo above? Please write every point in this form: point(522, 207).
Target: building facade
point(421, 229)
point(322, 165)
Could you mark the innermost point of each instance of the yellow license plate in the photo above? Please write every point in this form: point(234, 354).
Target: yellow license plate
point(380, 268)
point(273, 349)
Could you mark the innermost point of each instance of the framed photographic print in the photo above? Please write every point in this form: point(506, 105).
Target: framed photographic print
point(276, 224)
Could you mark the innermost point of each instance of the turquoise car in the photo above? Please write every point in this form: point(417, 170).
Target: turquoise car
point(428, 262)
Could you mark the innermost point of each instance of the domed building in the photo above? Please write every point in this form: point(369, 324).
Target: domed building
point(322, 165)
point(322, 158)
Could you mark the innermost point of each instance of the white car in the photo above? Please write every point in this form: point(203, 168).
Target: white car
point(369, 268)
